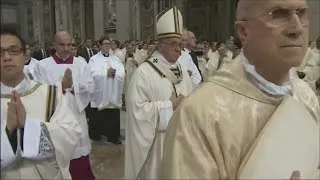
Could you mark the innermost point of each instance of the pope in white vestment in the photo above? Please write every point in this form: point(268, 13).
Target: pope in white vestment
point(149, 106)
point(50, 134)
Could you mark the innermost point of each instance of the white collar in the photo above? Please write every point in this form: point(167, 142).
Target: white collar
point(265, 85)
point(22, 87)
point(164, 61)
point(186, 50)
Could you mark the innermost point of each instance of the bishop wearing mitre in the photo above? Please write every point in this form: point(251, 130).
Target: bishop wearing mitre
point(157, 87)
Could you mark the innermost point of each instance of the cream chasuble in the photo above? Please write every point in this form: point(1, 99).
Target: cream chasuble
point(211, 134)
point(148, 113)
point(50, 134)
point(51, 71)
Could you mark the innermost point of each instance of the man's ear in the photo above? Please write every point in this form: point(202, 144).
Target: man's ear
point(241, 30)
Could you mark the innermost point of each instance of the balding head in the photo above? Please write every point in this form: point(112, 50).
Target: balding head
point(184, 37)
point(62, 35)
point(63, 43)
point(273, 43)
point(246, 7)
point(191, 41)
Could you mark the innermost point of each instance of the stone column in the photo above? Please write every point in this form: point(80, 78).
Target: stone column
point(37, 21)
point(48, 20)
point(98, 11)
point(82, 21)
point(76, 23)
point(123, 20)
point(22, 14)
point(62, 14)
point(314, 16)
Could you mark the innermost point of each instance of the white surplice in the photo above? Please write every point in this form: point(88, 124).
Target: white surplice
point(109, 90)
point(47, 71)
point(185, 60)
point(148, 113)
point(48, 142)
point(202, 62)
point(132, 63)
point(29, 69)
point(118, 52)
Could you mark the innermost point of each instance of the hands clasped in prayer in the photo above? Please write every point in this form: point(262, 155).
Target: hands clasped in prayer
point(16, 115)
point(67, 79)
point(111, 72)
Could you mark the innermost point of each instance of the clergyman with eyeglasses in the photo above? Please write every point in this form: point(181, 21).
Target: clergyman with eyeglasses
point(255, 119)
point(39, 132)
point(156, 89)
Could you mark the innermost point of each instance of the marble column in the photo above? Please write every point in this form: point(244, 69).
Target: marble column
point(48, 21)
point(314, 6)
point(123, 20)
point(37, 21)
point(76, 23)
point(98, 11)
point(62, 14)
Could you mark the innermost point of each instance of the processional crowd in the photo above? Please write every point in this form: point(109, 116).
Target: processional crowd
point(246, 108)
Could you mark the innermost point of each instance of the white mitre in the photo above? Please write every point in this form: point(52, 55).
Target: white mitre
point(169, 24)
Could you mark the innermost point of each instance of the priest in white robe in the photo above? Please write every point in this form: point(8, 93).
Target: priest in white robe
point(73, 75)
point(243, 122)
point(39, 131)
point(185, 60)
point(132, 62)
point(155, 90)
point(108, 75)
point(116, 51)
point(217, 59)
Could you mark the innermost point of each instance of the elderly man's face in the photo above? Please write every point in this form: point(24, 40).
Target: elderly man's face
point(171, 49)
point(276, 31)
point(192, 40)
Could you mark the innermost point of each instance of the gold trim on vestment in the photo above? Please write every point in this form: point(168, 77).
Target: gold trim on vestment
point(176, 19)
point(168, 35)
point(51, 97)
point(30, 91)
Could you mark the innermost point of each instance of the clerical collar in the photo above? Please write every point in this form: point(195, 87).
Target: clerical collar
point(186, 50)
point(59, 60)
point(22, 87)
point(164, 61)
point(105, 55)
point(27, 62)
point(263, 84)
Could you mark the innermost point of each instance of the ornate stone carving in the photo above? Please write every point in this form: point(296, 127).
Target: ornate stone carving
point(147, 19)
point(76, 21)
point(47, 20)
